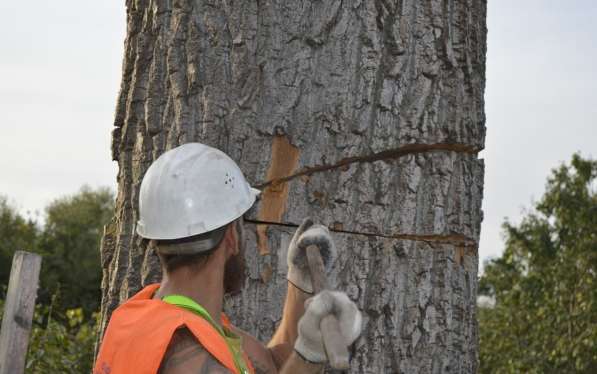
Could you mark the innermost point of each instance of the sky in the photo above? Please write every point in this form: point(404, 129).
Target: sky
point(60, 67)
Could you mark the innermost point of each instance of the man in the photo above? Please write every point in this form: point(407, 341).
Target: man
point(191, 204)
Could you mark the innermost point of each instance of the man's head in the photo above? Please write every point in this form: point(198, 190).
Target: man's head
point(190, 203)
point(224, 252)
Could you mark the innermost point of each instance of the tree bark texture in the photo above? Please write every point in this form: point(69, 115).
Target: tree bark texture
point(366, 115)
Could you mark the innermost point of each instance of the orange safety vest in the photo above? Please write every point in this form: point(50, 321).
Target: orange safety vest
point(141, 329)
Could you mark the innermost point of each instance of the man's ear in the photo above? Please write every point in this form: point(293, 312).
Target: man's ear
point(231, 238)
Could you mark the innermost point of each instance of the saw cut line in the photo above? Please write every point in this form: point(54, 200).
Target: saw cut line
point(454, 239)
point(389, 154)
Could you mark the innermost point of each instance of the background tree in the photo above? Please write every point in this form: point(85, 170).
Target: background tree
point(68, 239)
point(65, 325)
point(16, 233)
point(545, 283)
point(70, 245)
point(366, 115)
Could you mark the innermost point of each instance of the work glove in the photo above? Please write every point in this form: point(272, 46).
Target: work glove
point(298, 267)
point(309, 343)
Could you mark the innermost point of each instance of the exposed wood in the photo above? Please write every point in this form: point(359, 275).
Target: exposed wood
point(366, 115)
point(284, 161)
point(18, 311)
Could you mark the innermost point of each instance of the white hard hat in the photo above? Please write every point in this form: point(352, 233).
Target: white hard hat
point(191, 190)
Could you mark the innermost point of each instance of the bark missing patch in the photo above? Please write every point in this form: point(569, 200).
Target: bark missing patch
point(284, 161)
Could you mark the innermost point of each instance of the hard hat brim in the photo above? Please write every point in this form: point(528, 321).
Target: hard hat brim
point(140, 227)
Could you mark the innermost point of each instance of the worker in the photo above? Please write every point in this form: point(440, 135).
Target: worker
point(191, 203)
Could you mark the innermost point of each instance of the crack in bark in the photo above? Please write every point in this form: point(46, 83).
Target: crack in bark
point(455, 239)
point(395, 153)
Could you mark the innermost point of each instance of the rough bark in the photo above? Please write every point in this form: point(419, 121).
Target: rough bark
point(366, 115)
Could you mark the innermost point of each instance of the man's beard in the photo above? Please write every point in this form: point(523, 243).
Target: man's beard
point(234, 273)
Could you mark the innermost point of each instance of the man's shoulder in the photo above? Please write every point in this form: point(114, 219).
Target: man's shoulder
point(260, 356)
point(185, 354)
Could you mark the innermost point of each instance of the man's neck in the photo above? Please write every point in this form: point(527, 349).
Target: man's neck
point(205, 287)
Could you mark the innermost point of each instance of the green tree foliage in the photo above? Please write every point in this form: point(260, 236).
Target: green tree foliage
point(16, 233)
point(545, 284)
point(64, 325)
point(60, 343)
point(70, 243)
point(62, 347)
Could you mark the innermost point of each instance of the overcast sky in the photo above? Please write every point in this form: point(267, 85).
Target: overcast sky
point(60, 72)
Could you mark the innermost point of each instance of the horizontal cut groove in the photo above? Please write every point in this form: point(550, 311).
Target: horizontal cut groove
point(454, 239)
point(408, 149)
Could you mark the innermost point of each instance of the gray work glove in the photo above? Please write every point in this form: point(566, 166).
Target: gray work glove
point(298, 267)
point(309, 343)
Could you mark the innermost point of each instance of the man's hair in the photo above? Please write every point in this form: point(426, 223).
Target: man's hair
point(173, 261)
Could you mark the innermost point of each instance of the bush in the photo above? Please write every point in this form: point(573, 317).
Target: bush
point(64, 328)
point(68, 241)
point(61, 343)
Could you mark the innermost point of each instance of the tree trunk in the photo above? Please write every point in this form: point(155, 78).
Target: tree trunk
point(365, 115)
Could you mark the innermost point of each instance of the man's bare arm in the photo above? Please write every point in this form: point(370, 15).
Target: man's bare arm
point(185, 355)
point(283, 340)
point(299, 284)
point(271, 359)
point(265, 360)
point(295, 364)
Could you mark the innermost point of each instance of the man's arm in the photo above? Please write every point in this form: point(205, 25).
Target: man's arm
point(295, 364)
point(299, 285)
point(185, 355)
point(309, 356)
point(271, 358)
point(305, 337)
point(281, 344)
